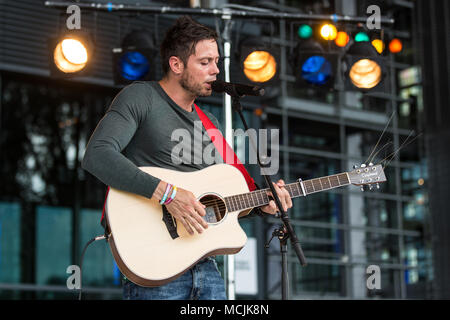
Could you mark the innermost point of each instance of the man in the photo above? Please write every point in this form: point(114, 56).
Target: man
point(136, 131)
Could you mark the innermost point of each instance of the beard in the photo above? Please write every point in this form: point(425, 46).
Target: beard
point(188, 83)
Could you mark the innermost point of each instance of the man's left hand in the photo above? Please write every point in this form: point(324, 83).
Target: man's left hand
point(284, 196)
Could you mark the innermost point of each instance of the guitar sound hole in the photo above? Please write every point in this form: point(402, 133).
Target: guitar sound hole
point(215, 208)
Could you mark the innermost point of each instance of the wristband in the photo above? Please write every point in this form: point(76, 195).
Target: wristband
point(172, 196)
point(169, 186)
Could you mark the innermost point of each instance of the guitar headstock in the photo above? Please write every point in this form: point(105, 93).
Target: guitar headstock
point(367, 175)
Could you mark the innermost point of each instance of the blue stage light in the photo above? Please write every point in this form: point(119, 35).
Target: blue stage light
point(134, 65)
point(316, 70)
point(135, 60)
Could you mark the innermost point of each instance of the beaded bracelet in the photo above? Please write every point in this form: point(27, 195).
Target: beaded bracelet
point(166, 193)
point(172, 196)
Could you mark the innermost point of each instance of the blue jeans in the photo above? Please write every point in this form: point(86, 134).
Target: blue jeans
point(202, 282)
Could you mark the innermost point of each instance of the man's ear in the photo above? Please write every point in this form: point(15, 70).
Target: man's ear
point(176, 65)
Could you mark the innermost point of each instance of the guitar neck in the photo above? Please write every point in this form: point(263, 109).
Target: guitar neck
point(259, 198)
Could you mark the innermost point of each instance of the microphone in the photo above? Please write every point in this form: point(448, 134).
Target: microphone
point(236, 89)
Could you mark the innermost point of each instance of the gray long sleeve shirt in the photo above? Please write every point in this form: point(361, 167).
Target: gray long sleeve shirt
point(145, 127)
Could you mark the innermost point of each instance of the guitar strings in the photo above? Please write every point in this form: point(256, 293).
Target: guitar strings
point(381, 149)
point(261, 192)
point(394, 153)
point(221, 204)
point(403, 145)
point(382, 133)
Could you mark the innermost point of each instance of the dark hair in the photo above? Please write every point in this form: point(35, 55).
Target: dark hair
point(180, 40)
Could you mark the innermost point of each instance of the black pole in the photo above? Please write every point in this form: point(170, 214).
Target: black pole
point(283, 236)
point(287, 231)
point(284, 217)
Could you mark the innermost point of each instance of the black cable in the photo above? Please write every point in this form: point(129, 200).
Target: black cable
point(82, 255)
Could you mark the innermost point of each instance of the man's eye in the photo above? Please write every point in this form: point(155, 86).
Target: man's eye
point(204, 63)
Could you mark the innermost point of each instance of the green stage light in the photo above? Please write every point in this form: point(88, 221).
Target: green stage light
point(361, 37)
point(305, 31)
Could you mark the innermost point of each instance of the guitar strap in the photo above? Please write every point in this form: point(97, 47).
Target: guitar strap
point(227, 153)
point(224, 148)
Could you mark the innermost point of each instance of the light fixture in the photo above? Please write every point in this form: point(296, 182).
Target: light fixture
point(313, 66)
point(135, 59)
point(364, 67)
point(258, 61)
point(395, 45)
point(378, 44)
point(328, 31)
point(361, 37)
point(365, 74)
point(305, 31)
point(70, 54)
point(342, 39)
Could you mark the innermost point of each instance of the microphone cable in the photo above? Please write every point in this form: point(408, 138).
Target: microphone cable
point(103, 237)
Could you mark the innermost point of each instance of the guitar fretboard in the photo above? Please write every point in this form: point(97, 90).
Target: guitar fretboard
point(259, 198)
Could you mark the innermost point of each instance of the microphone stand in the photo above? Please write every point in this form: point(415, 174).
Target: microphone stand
point(286, 231)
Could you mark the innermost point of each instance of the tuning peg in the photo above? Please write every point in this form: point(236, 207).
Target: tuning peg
point(355, 166)
point(363, 165)
point(362, 188)
point(378, 186)
point(370, 164)
point(370, 187)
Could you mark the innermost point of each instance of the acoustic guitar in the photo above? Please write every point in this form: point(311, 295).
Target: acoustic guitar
point(151, 248)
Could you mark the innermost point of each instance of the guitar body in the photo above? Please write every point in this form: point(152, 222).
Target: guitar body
point(140, 242)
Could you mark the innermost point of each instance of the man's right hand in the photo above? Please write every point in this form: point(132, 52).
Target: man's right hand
point(185, 208)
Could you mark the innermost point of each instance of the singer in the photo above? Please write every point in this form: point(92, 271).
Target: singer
point(136, 131)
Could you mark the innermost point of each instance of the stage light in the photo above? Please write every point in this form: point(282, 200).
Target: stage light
point(395, 45)
point(135, 59)
point(378, 45)
point(305, 31)
point(365, 74)
point(260, 66)
point(364, 67)
point(133, 65)
point(313, 66)
point(258, 61)
point(316, 70)
point(342, 39)
point(70, 54)
point(361, 37)
point(328, 32)
point(258, 112)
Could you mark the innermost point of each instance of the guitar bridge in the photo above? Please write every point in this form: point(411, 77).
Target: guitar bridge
point(170, 222)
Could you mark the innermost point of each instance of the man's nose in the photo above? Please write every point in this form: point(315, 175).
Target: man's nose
point(216, 69)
